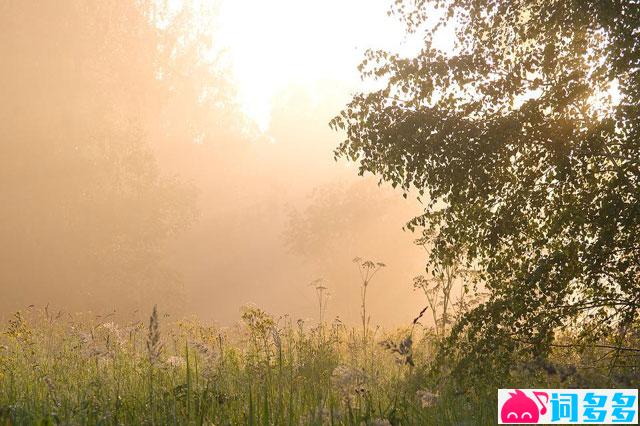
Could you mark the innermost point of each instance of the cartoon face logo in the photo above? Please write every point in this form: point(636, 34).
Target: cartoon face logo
point(519, 408)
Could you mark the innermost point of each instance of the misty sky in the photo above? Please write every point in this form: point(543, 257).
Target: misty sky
point(180, 154)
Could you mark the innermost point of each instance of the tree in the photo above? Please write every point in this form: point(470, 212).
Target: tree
point(525, 141)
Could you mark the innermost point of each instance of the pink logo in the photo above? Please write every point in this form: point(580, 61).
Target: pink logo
point(519, 408)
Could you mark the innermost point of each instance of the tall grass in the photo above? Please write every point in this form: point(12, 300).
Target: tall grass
point(77, 370)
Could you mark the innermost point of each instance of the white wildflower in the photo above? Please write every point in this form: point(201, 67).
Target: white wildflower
point(115, 331)
point(207, 352)
point(348, 380)
point(175, 361)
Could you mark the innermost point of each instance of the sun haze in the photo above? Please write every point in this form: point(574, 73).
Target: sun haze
point(183, 151)
point(280, 44)
point(314, 212)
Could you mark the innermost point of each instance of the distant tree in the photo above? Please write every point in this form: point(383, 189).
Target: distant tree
point(525, 142)
point(337, 217)
point(85, 209)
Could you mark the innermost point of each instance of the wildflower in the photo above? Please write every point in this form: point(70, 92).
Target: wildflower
point(115, 331)
point(111, 326)
point(258, 321)
point(204, 350)
point(427, 398)
point(175, 361)
point(348, 380)
point(342, 376)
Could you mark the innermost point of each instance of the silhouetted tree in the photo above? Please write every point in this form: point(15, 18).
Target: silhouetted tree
point(524, 141)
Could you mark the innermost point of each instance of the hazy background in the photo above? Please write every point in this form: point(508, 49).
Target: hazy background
point(178, 153)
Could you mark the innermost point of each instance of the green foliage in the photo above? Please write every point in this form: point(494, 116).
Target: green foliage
point(83, 370)
point(528, 160)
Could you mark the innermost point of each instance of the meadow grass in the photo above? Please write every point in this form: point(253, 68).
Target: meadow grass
point(64, 369)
